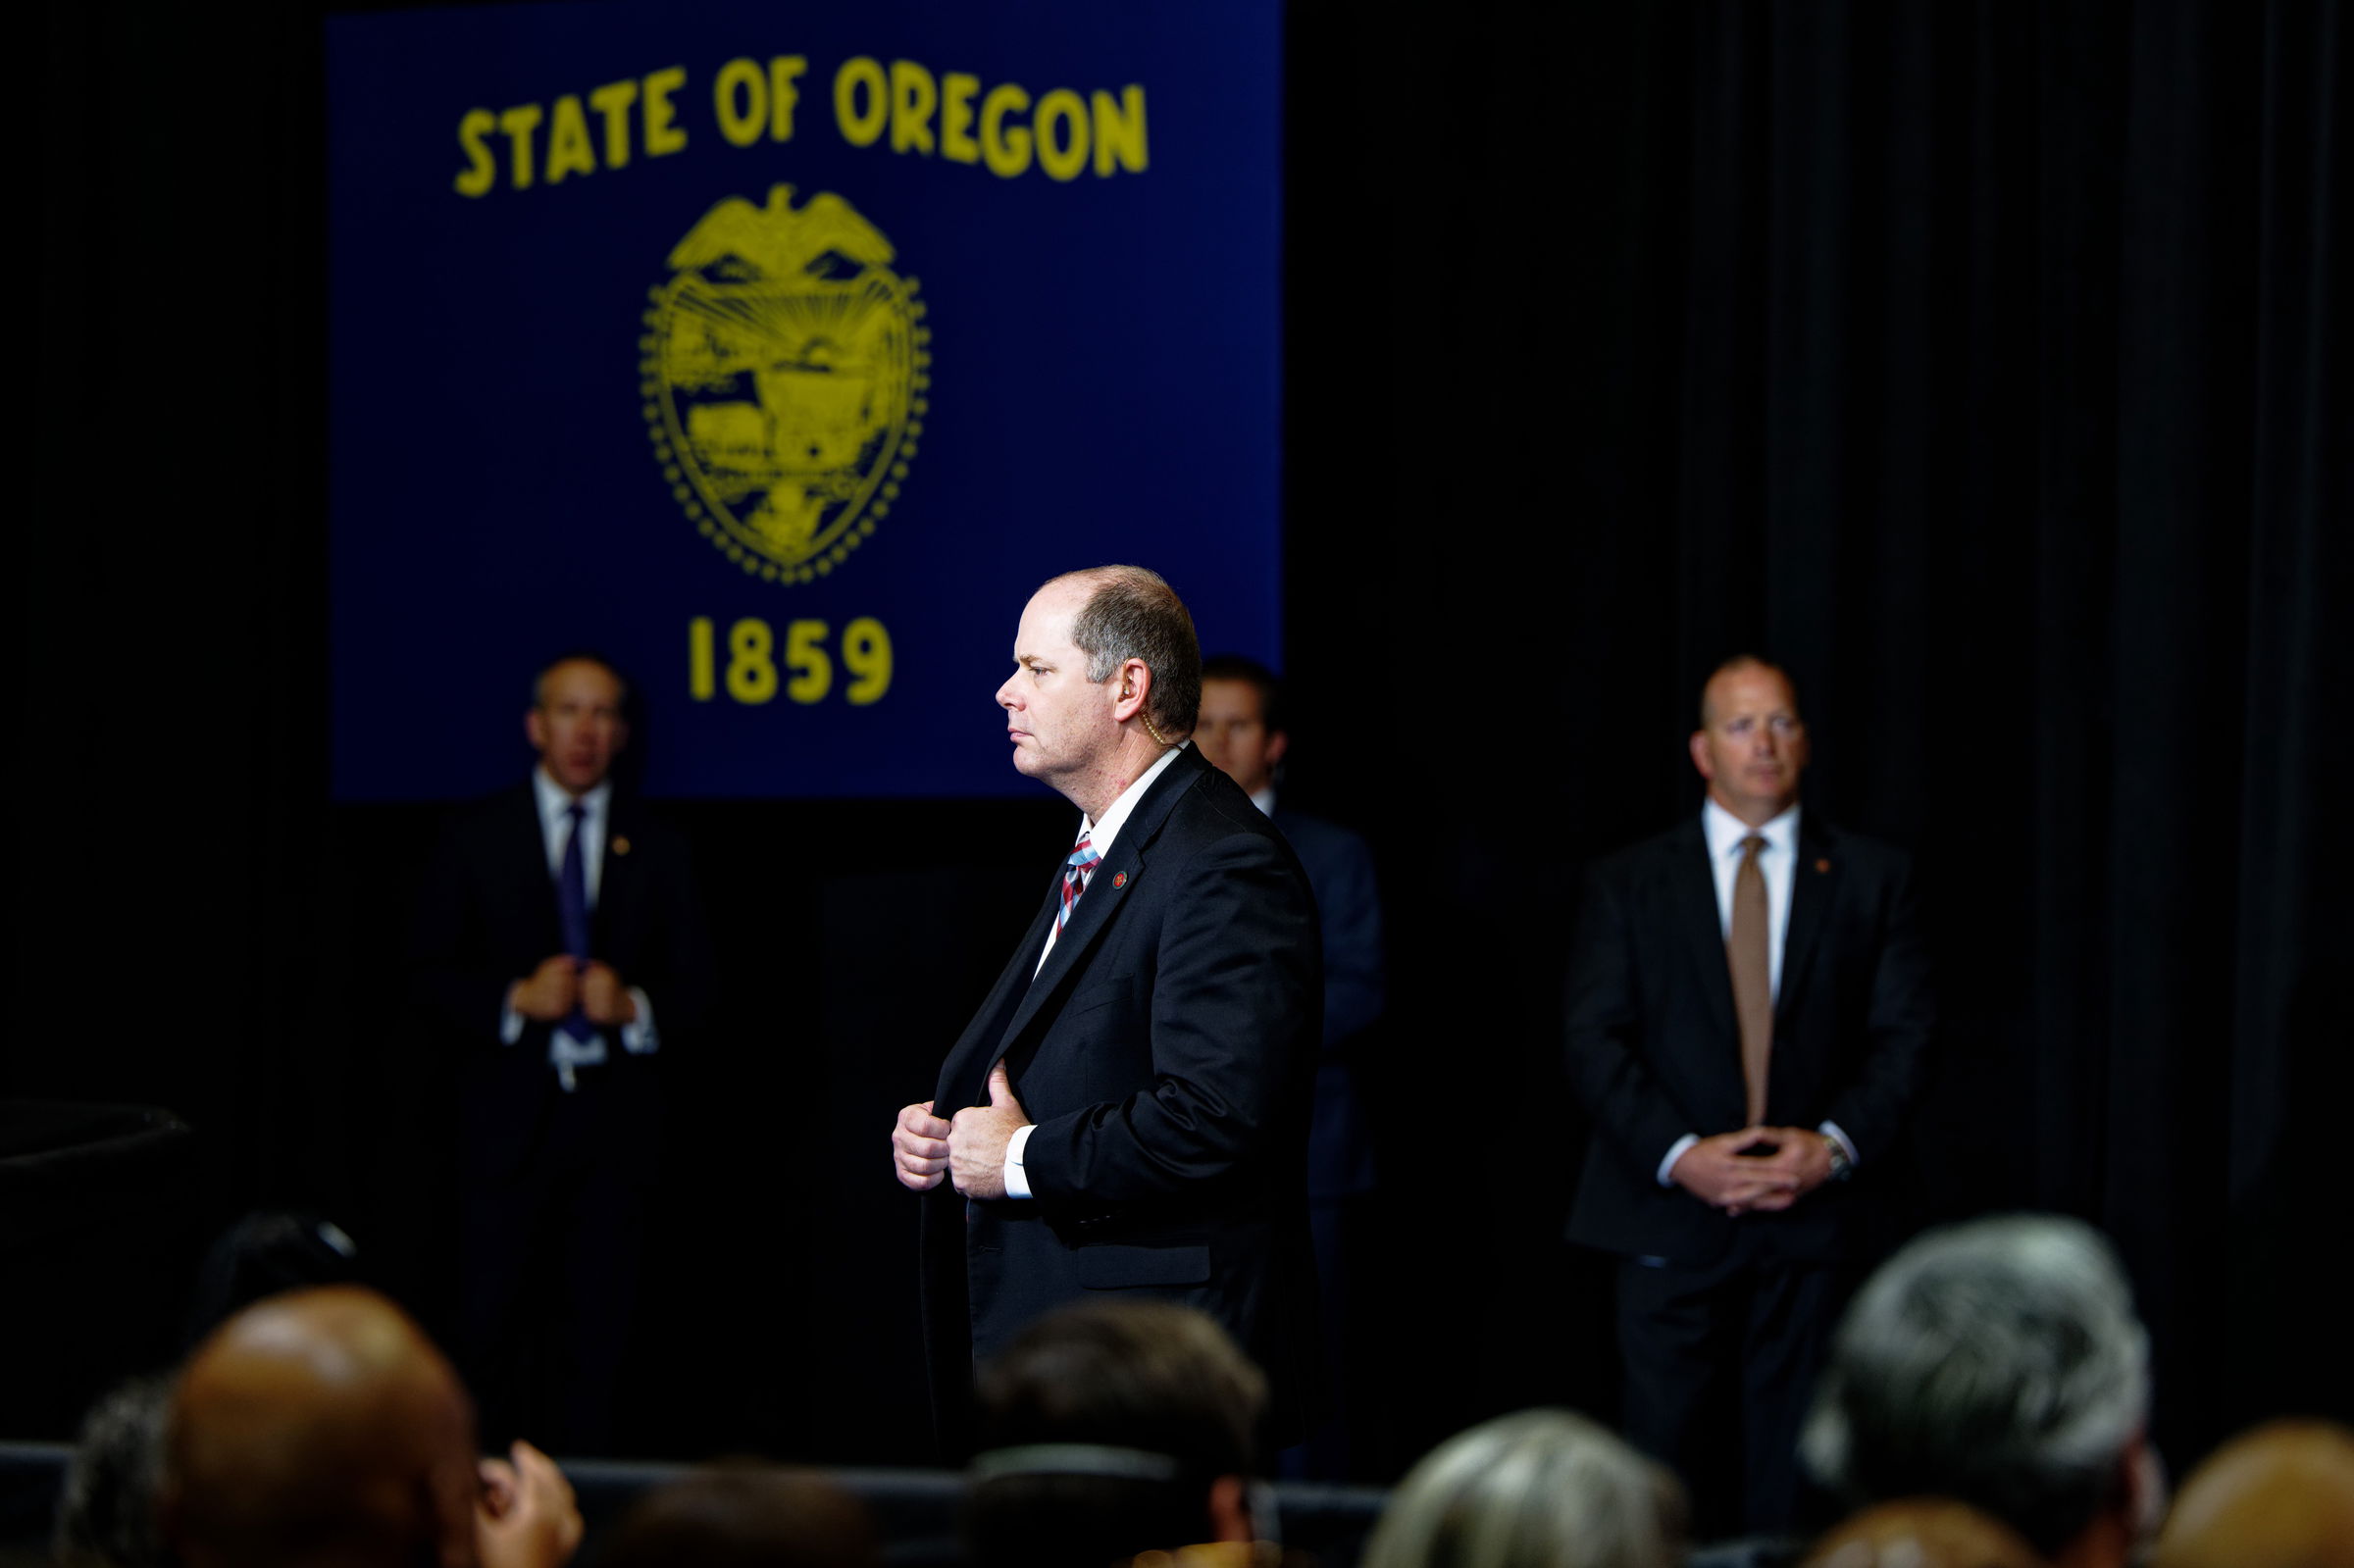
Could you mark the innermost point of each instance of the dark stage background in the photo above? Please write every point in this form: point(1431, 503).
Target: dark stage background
point(1986, 363)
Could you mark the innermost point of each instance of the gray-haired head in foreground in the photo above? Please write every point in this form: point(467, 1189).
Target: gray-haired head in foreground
point(1543, 1489)
point(1132, 613)
point(106, 1514)
point(1998, 1362)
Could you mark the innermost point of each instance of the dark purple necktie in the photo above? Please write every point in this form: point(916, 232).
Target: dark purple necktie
point(571, 910)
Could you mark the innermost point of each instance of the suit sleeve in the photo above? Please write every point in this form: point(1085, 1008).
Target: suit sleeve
point(1607, 1070)
point(679, 975)
point(456, 977)
point(1350, 905)
point(1234, 1016)
point(1902, 1018)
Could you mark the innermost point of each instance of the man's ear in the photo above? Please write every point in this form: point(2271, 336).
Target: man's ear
point(1700, 755)
point(1230, 1509)
point(1277, 744)
point(535, 729)
point(2145, 1496)
point(1131, 690)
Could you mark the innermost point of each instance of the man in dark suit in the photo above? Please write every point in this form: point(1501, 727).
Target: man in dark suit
point(560, 949)
point(1749, 1013)
point(1242, 732)
point(1128, 1110)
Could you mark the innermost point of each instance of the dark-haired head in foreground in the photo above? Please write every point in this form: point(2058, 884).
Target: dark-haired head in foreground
point(1109, 1429)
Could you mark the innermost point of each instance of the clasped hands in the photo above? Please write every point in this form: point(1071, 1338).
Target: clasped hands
point(1715, 1170)
point(969, 1149)
point(560, 981)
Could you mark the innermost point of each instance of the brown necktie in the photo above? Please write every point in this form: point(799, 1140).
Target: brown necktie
point(1753, 979)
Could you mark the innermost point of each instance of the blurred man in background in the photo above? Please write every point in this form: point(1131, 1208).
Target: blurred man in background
point(1245, 732)
point(559, 948)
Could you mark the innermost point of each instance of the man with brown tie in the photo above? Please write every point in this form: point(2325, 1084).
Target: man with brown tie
point(1749, 1015)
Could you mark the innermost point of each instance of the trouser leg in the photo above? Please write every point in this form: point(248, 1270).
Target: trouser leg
point(1792, 1309)
point(1678, 1339)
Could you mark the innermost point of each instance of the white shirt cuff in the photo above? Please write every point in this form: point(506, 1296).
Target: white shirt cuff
point(1676, 1152)
point(1017, 1184)
point(1832, 1129)
point(510, 1022)
point(637, 1035)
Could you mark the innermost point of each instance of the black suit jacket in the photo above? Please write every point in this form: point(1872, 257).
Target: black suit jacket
point(1165, 1053)
point(1655, 1051)
point(1340, 872)
point(488, 917)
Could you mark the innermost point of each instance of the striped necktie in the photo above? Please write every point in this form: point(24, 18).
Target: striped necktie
point(1075, 873)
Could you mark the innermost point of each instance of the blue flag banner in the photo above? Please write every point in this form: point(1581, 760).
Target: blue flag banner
point(778, 354)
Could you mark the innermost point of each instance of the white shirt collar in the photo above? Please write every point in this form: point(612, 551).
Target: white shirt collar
point(1725, 831)
point(1264, 800)
point(1099, 834)
point(555, 799)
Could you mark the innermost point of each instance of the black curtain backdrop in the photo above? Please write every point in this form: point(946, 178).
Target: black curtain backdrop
point(1985, 363)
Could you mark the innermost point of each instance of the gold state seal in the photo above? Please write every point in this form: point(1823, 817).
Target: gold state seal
point(784, 381)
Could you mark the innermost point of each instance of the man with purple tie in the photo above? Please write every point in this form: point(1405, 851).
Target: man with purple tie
point(560, 950)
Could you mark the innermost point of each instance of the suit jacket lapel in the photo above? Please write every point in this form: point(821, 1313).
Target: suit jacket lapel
point(617, 870)
point(966, 1074)
point(1693, 892)
point(1814, 881)
point(529, 845)
point(1115, 878)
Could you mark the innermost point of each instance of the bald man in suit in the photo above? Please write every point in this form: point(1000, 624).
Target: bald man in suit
point(1749, 1013)
point(1127, 1113)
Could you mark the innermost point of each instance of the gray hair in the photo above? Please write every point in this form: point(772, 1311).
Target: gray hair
point(1543, 1489)
point(1134, 614)
point(106, 1514)
point(1998, 1362)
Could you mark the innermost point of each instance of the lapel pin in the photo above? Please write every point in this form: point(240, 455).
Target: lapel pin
point(621, 845)
point(1822, 866)
point(1119, 879)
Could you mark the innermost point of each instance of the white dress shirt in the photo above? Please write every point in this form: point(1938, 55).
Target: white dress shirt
point(638, 1036)
point(1099, 836)
point(1778, 863)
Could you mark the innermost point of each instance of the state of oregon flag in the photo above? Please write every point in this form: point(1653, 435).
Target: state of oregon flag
point(778, 356)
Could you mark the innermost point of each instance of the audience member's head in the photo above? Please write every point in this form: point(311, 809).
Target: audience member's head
point(1543, 1489)
point(744, 1518)
point(1111, 1428)
point(106, 1514)
point(322, 1428)
point(263, 1254)
point(2000, 1363)
point(2279, 1496)
point(1922, 1533)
